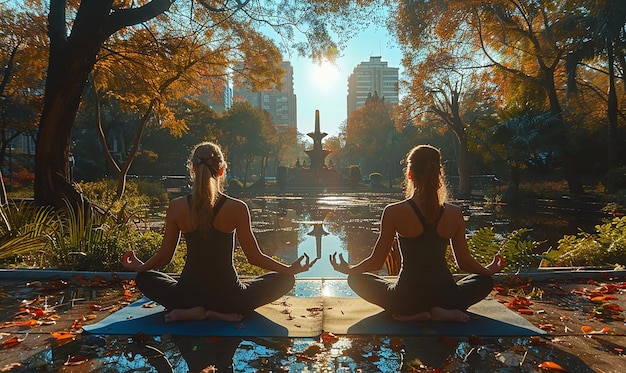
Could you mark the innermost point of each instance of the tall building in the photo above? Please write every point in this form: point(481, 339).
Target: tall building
point(221, 101)
point(281, 104)
point(369, 77)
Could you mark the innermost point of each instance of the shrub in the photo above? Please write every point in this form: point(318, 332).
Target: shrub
point(606, 247)
point(24, 229)
point(518, 251)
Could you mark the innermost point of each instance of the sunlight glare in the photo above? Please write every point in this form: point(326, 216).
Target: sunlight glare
point(324, 74)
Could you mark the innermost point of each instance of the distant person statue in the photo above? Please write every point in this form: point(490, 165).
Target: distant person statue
point(209, 286)
point(424, 224)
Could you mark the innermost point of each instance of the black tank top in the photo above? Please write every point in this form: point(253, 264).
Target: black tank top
point(209, 259)
point(424, 256)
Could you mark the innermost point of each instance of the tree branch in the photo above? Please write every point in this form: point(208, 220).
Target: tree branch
point(133, 16)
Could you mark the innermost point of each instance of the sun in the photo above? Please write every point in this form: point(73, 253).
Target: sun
point(324, 74)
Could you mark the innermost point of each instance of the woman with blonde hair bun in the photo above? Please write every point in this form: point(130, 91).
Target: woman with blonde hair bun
point(209, 286)
point(424, 224)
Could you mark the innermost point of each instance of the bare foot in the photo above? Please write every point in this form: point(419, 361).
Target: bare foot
point(422, 316)
point(214, 315)
point(179, 314)
point(442, 314)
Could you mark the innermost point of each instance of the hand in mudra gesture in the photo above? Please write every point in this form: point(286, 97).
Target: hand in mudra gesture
point(341, 265)
point(298, 266)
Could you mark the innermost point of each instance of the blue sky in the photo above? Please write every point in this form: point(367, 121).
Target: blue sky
point(325, 89)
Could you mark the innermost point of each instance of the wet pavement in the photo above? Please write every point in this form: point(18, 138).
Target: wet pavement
point(583, 318)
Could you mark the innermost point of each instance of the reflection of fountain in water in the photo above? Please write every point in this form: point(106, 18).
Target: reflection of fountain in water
point(348, 223)
point(318, 232)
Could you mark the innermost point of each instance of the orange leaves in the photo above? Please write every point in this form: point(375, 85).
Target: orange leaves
point(520, 304)
point(329, 338)
point(602, 296)
point(551, 367)
point(59, 336)
point(588, 330)
point(547, 327)
point(13, 341)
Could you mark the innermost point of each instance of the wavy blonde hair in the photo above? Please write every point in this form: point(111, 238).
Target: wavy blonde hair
point(426, 180)
point(204, 163)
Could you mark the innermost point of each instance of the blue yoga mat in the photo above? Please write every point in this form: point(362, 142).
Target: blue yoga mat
point(309, 317)
point(290, 317)
point(487, 318)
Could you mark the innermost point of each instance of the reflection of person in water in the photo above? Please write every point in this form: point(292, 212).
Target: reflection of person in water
point(209, 286)
point(424, 224)
point(206, 355)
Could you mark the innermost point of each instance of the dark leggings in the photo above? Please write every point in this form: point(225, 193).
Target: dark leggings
point(409, 301)
point(242, 297)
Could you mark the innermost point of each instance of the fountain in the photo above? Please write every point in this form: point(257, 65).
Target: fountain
point(317, 174)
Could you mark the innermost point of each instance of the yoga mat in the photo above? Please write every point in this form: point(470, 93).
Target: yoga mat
point(288, 317)
point(309, 317)
point(488, 318)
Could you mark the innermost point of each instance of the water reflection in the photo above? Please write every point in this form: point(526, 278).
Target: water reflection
point(318, 225)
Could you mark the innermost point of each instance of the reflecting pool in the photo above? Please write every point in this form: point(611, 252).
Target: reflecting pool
point(291, 225)
point(319, 225)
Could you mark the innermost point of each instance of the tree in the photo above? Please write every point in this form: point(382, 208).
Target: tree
point(160, 152)
point(524, 40)
point(367, 132)
point(74, 52)
point(246, 131)
point(448, 89)
point(525, 138)
point(604, 36)
point(23, 51)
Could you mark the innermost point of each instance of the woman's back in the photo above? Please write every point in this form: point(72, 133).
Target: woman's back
point(209, 254)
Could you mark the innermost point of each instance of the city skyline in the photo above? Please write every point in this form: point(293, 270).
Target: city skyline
point(328, 94)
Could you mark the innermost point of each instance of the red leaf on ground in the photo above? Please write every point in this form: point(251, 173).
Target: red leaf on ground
point(11, 342)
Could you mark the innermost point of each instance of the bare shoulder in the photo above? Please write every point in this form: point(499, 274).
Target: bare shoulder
point(233, 203)
point(400, 205)
point(452, 212)
point(178, 203)
point(397, 210)
point(455, 209)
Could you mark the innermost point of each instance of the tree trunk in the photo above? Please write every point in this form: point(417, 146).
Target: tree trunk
point(70, 62)
point(612, 110)
point(569, 166)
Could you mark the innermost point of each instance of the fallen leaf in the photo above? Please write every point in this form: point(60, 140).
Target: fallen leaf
point(10, 367)
point(76, 360)
point(551, 366)
point(62, 335)
point(13, 341)
point(328, 338)
point(586, 329)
